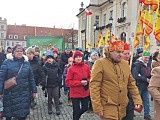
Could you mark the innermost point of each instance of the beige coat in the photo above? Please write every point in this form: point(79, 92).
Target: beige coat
point(155, 64)
point(109, 86)
point(154, 89)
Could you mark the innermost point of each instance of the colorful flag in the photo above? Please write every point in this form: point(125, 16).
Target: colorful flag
point(88, 12)
point(147, 19)
point(107, 38)
point(153, 3)
point(100, 41)
point(114, 38)
point(157, 26)
point(88, 45)
point(146, 42)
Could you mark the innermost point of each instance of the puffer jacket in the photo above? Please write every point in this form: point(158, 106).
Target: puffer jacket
point(140, 73)
point(75, 74)
point(38, 72)
point(53, 74)
point(16, 101)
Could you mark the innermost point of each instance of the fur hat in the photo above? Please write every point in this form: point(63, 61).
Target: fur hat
point(77, 53)
point(93, 53)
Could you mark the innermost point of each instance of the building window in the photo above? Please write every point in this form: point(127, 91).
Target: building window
point(97, 20)
point(8, 43)
point(104, 19)
point(111, 14)
point(25, 37)
point(12, 43)
point(2, 35)
point(15, 36)
point(2, 26)
point(10, 36)
point(124, 9)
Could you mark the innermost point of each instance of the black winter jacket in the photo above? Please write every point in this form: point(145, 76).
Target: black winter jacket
point(38, 72)
point(53, 74)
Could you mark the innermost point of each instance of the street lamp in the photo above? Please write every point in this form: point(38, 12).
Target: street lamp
point(110, 25)
point(95, 27)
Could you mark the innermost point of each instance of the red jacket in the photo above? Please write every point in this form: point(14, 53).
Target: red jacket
point(75, 74)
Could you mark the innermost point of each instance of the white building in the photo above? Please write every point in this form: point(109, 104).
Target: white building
point(3, 31)
point(124, 14)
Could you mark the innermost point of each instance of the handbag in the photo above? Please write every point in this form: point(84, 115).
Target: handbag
point(10, 83)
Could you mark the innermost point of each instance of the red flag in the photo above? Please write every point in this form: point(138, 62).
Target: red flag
point(88, 12)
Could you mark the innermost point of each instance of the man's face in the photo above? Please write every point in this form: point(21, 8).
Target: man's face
point(145, 59)
point(126, 55)
point(67, 51)
point(116, 55)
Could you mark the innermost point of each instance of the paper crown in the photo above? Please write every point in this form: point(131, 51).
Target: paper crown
point(126, 46)
point(146, 53)
point(117, 45)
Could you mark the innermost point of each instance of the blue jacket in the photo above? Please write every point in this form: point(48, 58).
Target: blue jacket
point(16, 101)
point(140, 73)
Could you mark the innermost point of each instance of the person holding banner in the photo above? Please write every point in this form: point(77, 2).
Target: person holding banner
point(110, 82)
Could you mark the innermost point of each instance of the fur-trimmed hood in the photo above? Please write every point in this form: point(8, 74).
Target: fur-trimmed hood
point(11, 57)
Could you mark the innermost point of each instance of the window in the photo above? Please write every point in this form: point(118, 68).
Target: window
point(104, 19)
point(97, 20)
point(8, 43)
point(15, 36)
point(25, 37)
point(12, 43)
point(111, 14)
point(10, 36)
point(2, 35)
point(124, 9)
point(2, 26)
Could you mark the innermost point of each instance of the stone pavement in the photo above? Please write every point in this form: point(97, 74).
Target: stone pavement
point(40, 112)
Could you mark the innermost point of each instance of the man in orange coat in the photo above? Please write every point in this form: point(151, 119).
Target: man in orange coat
point(110, 82)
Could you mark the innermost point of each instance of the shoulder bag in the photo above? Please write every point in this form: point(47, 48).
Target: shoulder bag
point(10, 83)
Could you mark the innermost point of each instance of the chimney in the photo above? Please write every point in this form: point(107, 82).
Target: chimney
point(80, 9)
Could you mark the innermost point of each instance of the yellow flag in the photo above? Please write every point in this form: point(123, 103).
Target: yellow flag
point(146, 42)
point(107, 38)
point(114, 38)
point(100, 40)
point(88, 45)
point(157, 26)
point(153, 3)
point(147, 19)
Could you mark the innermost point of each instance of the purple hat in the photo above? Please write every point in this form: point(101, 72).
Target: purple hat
point(16, 48)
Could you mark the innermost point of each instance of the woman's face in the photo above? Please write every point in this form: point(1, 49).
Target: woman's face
point(158, 56)
point(18, 53)
point(55, 55)
point(78, 59)
point(50, 60)
point(30, 55)
point(94, 57)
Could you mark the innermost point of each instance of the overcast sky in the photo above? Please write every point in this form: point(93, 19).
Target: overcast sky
point(42, 13)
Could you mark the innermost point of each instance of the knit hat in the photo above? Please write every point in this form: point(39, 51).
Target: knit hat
point(77, 53)
point(139, 50)
point(55, 51)
point(16, 48)
point(50, 56)
point(67, 48)
point(146, 54)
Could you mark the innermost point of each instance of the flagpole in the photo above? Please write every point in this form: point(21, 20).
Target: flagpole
point(85, 32)
point(132, 50)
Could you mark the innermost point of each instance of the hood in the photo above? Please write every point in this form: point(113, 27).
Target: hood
point(140, 60)
point(11, 57)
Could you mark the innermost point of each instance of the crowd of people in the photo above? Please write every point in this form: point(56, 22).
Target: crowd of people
point(103, 83)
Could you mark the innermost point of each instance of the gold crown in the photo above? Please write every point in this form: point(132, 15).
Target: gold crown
point(117, 45)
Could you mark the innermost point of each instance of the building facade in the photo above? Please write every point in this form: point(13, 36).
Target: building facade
point(3, 31)
point(124, 19)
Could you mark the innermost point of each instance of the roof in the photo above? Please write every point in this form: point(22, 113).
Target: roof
point(23, 30)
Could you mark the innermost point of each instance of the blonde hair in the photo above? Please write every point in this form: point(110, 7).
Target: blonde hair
point(30, 50)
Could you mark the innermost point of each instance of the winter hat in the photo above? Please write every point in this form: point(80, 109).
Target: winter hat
point(146, 54)
point(16, 48)
point(93, 53)
point(50, 56)
point(77, 53)
point(55, 51)
point(67, 48)
point(139, 50)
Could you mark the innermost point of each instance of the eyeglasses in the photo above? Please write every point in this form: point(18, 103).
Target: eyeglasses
point(18, 51)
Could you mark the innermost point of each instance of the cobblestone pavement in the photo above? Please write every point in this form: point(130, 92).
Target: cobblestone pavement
point(40, 112)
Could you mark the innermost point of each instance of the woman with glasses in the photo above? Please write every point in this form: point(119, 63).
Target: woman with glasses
point(16, 100)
